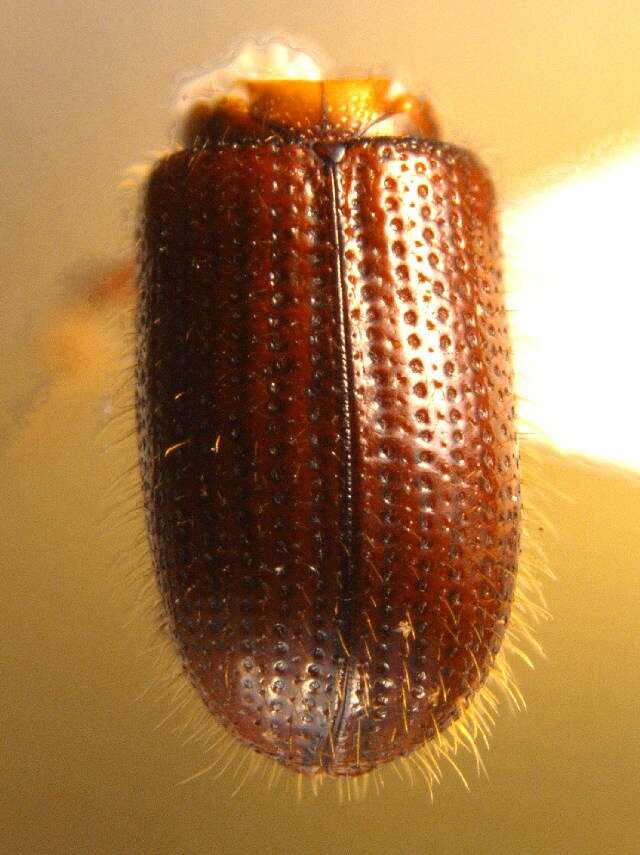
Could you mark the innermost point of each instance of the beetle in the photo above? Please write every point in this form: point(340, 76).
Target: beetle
point(326, 418)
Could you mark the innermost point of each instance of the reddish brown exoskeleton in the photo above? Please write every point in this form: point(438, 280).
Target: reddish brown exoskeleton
point(326, 419)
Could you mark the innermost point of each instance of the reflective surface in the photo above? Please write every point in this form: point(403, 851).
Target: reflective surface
point(329, 439)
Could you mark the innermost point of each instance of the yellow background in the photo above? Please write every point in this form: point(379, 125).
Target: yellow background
point(534, 88)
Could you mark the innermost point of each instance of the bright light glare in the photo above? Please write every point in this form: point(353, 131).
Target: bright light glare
point(573, 274)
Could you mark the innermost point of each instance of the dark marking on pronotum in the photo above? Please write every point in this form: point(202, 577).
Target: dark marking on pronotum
point(326, 419)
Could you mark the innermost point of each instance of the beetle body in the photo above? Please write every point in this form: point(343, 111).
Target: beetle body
point(326, 420)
